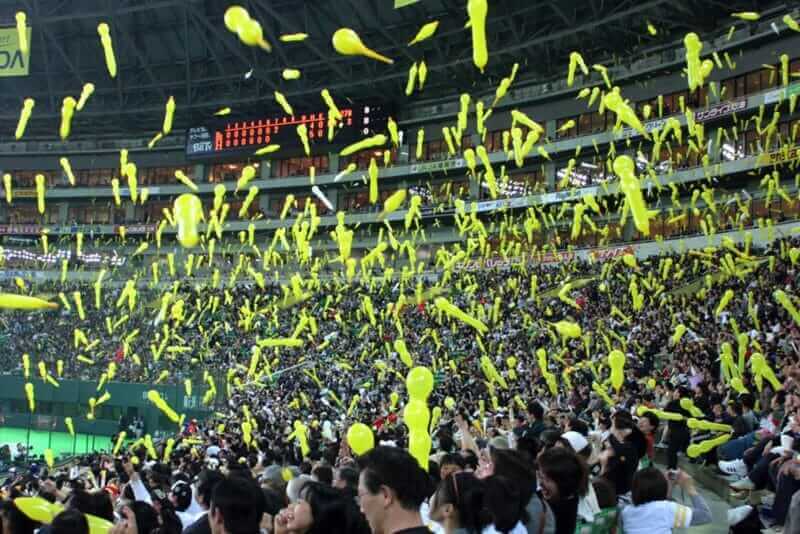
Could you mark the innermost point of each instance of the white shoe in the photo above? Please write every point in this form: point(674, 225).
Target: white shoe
point(734, 467)
point(744, 484)
point(738, 514)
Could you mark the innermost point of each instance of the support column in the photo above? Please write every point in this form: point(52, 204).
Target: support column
point(263, 203)
point(265, 169)
point(63, 213)
point(333, 162)
point(628, 230)
point(474, 189)
point(550, 129)
point(714, 149)
point(549, 174)
point(199, 173)
point(130, 212)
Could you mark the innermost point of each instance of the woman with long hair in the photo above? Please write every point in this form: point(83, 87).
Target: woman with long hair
point(514, 468)
point(563, 477)
point(321, 509)
point(458, 505)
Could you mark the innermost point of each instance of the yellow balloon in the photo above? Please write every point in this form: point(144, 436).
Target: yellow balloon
point(250, 33)
point(38, 509)
point(348, 43)
point(449, 403)
point(477, 10)
point(188, 213)
point(416, 415)
point(616, 359)
point(419, 383)
point(360, 438)
point(98, 525)
point(108, 48)
point(24, 302)
point(568, 329)
point(419, 445)
point(235, 17)
point(630, 186)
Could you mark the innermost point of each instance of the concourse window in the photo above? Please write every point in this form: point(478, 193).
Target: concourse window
point(585, 124)
point(29, 214)
point(94, 177)
point(598, 123)
point(522, 183)
point(438, 150)
point(568, 133)
point(300, 166)
point(154, 210)
point(27, 179)
point(362, 158)
point(584, 173)
point(91, 213)
point(160, 175)
point(753, 82)
point(224, 172)
point(494, 141)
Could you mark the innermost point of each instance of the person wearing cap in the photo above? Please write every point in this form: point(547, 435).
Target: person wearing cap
point(206, 482)
point(180, 495)
point(587, 502)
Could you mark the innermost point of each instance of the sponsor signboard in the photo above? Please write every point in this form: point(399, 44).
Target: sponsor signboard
point(20, 229)
point(432, 166)
point(24, 193)
point(649, 126)
point(723, 109)
point(137, 228)
point(605, 254)
point(778, 157)
point(780, 94)
point(12, 61)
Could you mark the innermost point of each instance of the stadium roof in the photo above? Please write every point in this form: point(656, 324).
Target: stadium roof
point(182, 48)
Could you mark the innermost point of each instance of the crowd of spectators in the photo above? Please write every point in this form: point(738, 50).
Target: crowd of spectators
point(515, 459)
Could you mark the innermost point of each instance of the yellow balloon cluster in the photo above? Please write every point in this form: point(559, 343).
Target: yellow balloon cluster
point(419, 383)
point(238, 21)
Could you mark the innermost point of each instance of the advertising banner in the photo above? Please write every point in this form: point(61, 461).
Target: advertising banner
point(778, 157)
point(12, 61)
point(780, 94)
point(723, 109)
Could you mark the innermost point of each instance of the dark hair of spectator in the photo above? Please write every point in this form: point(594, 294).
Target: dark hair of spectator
point(649, 485)
point(241, 504)
point(334, 511)
point(70, 521)
point(324, 474)
point(397, 470)
point(567, 470)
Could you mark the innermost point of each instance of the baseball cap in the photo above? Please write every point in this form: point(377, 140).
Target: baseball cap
point(575, 440)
